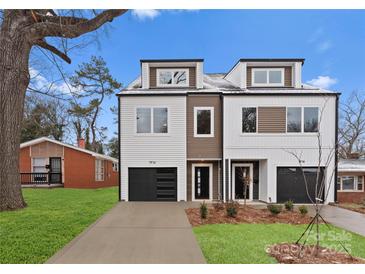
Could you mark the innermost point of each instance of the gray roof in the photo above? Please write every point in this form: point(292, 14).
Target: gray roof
point(215, 82)
point(351, 165)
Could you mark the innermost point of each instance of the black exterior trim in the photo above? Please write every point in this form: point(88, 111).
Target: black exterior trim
point(119, 163)
point(336, 149)
point(273, 60)
point(170, 60)
point(222, 161)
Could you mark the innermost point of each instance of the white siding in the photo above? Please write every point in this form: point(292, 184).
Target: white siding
point(275, 148)
point(237, 75)
point(145, 74)
point(199, 75)
point(153, 151)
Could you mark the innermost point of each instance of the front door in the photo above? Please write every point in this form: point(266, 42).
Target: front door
point(55, 170)
point(242, 174)
point(202, 182)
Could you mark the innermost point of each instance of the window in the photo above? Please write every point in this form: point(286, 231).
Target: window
point(204, 122)
point(39, 165)
point(115, 167)
point(249, 120)
point(172, 77)
point(99, 170)
point(294, 119)
point(268, 77)
point(156, 116)
point(350, 183)
point(310, 119)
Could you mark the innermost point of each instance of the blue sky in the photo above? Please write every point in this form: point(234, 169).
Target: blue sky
point(332, 42)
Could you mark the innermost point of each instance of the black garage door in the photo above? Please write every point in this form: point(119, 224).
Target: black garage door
point(152, 184)
point(291, 185)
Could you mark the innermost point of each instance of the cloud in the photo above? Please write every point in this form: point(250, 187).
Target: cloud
point(142, 14)
point(323, 81)
point(316, 35)
point(40, 83)
point(324, 46)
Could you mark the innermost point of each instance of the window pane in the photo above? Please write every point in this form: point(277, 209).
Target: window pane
point(360, 183)
point(203, 121)
point(260, 77)
point(248, 119)
point(180, 77)
point(275, 77)
point(143, 120)
point(160, 120)
point(348, 183)
point(165, 77)
point(294, 119)
point(310, 119)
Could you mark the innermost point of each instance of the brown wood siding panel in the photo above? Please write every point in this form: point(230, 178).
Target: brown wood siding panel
point(207, 147)
point(189, 180)
point(46, 150)
point(271, 120)
point(287, 75)
point(192, 76)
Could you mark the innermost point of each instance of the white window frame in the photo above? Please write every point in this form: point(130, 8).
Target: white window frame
point(250, 166)
point(115, 167)
point(101, 172)
point(196, 122)
point(193, 181)
point(46, 161)
point(151, 133)
point(172, 70)
point(356, 177)
point(302, 120)
point(267, 84)
point(257, 120)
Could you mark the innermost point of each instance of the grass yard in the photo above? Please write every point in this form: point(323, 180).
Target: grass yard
point(52, 219)
point(246, 243)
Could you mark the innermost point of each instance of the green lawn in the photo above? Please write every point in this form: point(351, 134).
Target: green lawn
point(51, 220)
point(246, 243)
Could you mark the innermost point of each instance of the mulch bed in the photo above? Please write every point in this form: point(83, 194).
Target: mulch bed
point(248, 214)
point(356, 209)
point(287, 253)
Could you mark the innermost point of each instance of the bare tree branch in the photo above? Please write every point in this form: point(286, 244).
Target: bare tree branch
point(45, 45)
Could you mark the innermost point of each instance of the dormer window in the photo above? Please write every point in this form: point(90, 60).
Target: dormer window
point(268, 77)
point(172, 77)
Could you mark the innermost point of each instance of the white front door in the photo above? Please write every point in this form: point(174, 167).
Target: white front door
point(240, 173)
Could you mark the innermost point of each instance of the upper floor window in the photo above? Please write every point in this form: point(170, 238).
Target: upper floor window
point(152, 120)
point(249, 116)
point(172, 77)
point(300, 119)
point(270, 77)
point(204, 122)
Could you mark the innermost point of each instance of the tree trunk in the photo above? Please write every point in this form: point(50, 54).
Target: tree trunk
point(14, 79)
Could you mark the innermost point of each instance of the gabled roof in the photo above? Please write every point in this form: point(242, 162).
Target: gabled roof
point(46, 139)
point(351, 165)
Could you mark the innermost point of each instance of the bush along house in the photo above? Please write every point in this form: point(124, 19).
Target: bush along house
point(46, 162)
point(186, 135)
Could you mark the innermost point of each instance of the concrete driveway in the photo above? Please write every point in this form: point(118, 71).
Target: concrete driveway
point(346, 219)
point(136, 232)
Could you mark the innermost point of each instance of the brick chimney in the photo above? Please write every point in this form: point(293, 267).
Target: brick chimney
point(81, 143)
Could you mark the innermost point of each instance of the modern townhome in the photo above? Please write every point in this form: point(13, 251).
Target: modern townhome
point(47, 162)
point(350, 181)
point(186, 135)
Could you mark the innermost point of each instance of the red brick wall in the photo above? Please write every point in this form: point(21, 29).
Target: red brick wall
point(24, 160)
point(80, 171)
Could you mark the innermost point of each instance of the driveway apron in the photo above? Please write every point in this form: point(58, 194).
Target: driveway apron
point(136, 232)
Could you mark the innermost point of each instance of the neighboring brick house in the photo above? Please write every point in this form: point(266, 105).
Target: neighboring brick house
point(187, 135)
point(350, 181)
point(44, 161)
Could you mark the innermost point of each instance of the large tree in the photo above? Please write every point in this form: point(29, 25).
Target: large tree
point(95, 82)
point(20, 31)
point(352, 127)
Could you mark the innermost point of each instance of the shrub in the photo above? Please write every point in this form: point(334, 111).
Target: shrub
point(303, 210)
point(232, 209)
point(203, 210)
point(274, 209)
point(289, 205)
